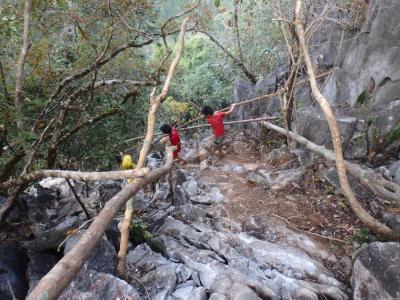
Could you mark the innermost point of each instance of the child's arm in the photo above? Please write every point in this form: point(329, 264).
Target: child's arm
point(231, 109)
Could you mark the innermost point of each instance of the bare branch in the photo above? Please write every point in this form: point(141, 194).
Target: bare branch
point(89, 69)
point(78, 199)
point(239, 63)
point(21, 62)
point(76, 175)
point(236, 21)
point(35, 148)
point(164, 34)
point(88, 122)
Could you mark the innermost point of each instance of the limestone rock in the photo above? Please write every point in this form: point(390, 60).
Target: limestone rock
point(275, 180)
point(92, 285)
point(376, 272)
point(191, 187)
point(311, 124)
point(12, 273)
point(102, 259)
point(40, 263)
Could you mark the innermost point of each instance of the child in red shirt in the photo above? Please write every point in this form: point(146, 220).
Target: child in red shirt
point(174, 138)
point(216, 120)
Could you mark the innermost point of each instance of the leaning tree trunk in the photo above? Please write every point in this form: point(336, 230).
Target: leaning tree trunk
point(155, 102)
point(361, 213)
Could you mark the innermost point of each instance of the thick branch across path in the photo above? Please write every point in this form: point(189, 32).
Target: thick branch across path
point(52, 285)
point(76, 175)
point(383, 188)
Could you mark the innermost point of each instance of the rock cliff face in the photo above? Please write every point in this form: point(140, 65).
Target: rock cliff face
point(363, 86)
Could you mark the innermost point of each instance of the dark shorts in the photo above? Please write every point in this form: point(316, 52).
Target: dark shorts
point(219, 141)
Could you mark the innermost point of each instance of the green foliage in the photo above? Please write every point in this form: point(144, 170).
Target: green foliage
point(362, 97)
point(361, 235)
point(138, 233)
point(393, 135)
point(370, 121)
point(66, 38)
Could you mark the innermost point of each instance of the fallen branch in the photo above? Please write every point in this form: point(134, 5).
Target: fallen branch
point(52, 285)
point(75, 231)
point(76, 175)
point(308, 232)
point(383, 188)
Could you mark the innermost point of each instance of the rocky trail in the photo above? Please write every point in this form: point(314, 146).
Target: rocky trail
point(249, 226)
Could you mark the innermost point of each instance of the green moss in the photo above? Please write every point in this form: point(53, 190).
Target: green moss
point(362, 97)
point(361, 235)
point(370, 121)
point(393, 135)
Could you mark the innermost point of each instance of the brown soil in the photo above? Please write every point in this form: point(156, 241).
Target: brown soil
point(308, 207)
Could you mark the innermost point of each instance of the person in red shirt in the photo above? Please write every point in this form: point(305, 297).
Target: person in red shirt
point(216, 120)
point(174, 138)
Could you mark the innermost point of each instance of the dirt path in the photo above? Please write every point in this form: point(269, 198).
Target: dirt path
point(296, 215)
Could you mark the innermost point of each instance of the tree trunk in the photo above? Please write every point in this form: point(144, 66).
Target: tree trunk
point(364, 216)
point(52, 285)
point(155, 102)
point(21, 62)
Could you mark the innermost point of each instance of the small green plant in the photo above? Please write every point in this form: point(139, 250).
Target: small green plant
point(138, 233)
point(370, 121)
point(362, 97)
point(361, 235)
point(393, 135)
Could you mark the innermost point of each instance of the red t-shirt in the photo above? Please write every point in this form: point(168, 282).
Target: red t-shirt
point(175, 140)
point(217, 123)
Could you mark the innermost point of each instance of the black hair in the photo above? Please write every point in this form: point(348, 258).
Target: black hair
point(207, 110)
point(166, 128)
point(118, 158)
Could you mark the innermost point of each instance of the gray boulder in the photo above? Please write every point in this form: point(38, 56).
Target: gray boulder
point(92, 285)
point(12, 273)
point(395, 172)
point(275, 180)
point(376, 272)
point(331, 175)
point(102, 259)
point(311, 124)
point(371, 60)
point(385, 128)
point(107, 190)
point(191, 187)
point(40, 263)
point(190, 293)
